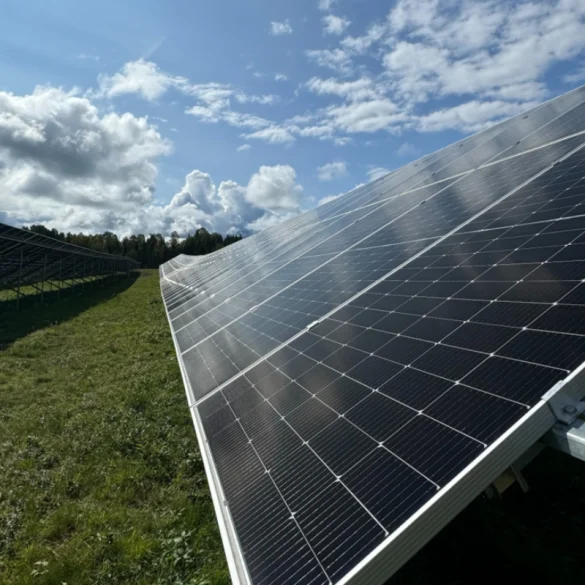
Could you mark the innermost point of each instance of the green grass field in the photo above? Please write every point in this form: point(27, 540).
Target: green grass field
point(101, 481)
point(31, 295)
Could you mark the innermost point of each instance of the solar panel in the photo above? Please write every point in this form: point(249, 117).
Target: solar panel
point(358, 374)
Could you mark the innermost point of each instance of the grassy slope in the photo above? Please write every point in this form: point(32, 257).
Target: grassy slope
point(100, 477)
point(101, 480)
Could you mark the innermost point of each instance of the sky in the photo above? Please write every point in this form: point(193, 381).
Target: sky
point(152, 117)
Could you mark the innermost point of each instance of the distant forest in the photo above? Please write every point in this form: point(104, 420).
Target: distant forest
point(150, 251)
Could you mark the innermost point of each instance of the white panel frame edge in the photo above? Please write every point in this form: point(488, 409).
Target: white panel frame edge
point(231, 545)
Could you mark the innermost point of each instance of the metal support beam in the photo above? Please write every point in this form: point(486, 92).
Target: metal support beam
point(60, 276)
point(19, 279)
point(569, 439)
point(43, 281)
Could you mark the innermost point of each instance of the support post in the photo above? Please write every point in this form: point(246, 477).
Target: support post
point(19, 278)
point(43, 281)
point(60, 276)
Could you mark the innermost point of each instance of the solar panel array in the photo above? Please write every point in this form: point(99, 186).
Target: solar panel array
point(29, 259)
point(347, 368)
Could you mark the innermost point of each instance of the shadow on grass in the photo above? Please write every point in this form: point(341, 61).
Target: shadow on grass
point(56, 309)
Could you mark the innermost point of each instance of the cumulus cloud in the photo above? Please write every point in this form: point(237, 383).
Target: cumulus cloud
point(69, 166)
point(58, 151)
point(334, 25)
point(280, 77)
point(332, 170)
point(271, 196)
point(140, 77)
point(275, 189)
point(278, 29)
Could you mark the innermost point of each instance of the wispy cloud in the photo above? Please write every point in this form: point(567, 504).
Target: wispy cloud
point(86, 57)
point(577, 75)
point(406, 150)
point(278, 29)
point(325, 5)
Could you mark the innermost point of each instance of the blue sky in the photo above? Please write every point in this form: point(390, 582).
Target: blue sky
point(161, 116)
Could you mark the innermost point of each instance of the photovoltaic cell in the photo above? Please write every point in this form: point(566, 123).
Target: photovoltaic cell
point(348, 367)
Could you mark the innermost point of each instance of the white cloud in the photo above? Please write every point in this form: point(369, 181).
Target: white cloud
point(377, 172)
point(62, 157)
point(141, 77)
point(70, 167)
point(471, 116)
point(243, 147)
point(480, 61)
point(406, 150)
point(272, 135)
point(86, 57)
point(360, 45)
point(367, 116)
point(489, 59)
point(266, 99)
point(325, 5)
point(280, 28)
point(480, 48)
point(336, 59)
point(275, 189)
point(213, 100)
point(358, 89)
point(332, 170)
point(334, 25)
point(215, 106)
point(329, 198)
point(577, 76)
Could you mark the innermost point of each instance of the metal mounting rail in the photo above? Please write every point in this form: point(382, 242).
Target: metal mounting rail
point(569, 439)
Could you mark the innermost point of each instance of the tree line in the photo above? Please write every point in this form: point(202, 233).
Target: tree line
point(151, 251)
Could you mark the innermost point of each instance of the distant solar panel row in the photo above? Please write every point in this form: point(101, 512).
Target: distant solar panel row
point(344, 367)
point(28, 258)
